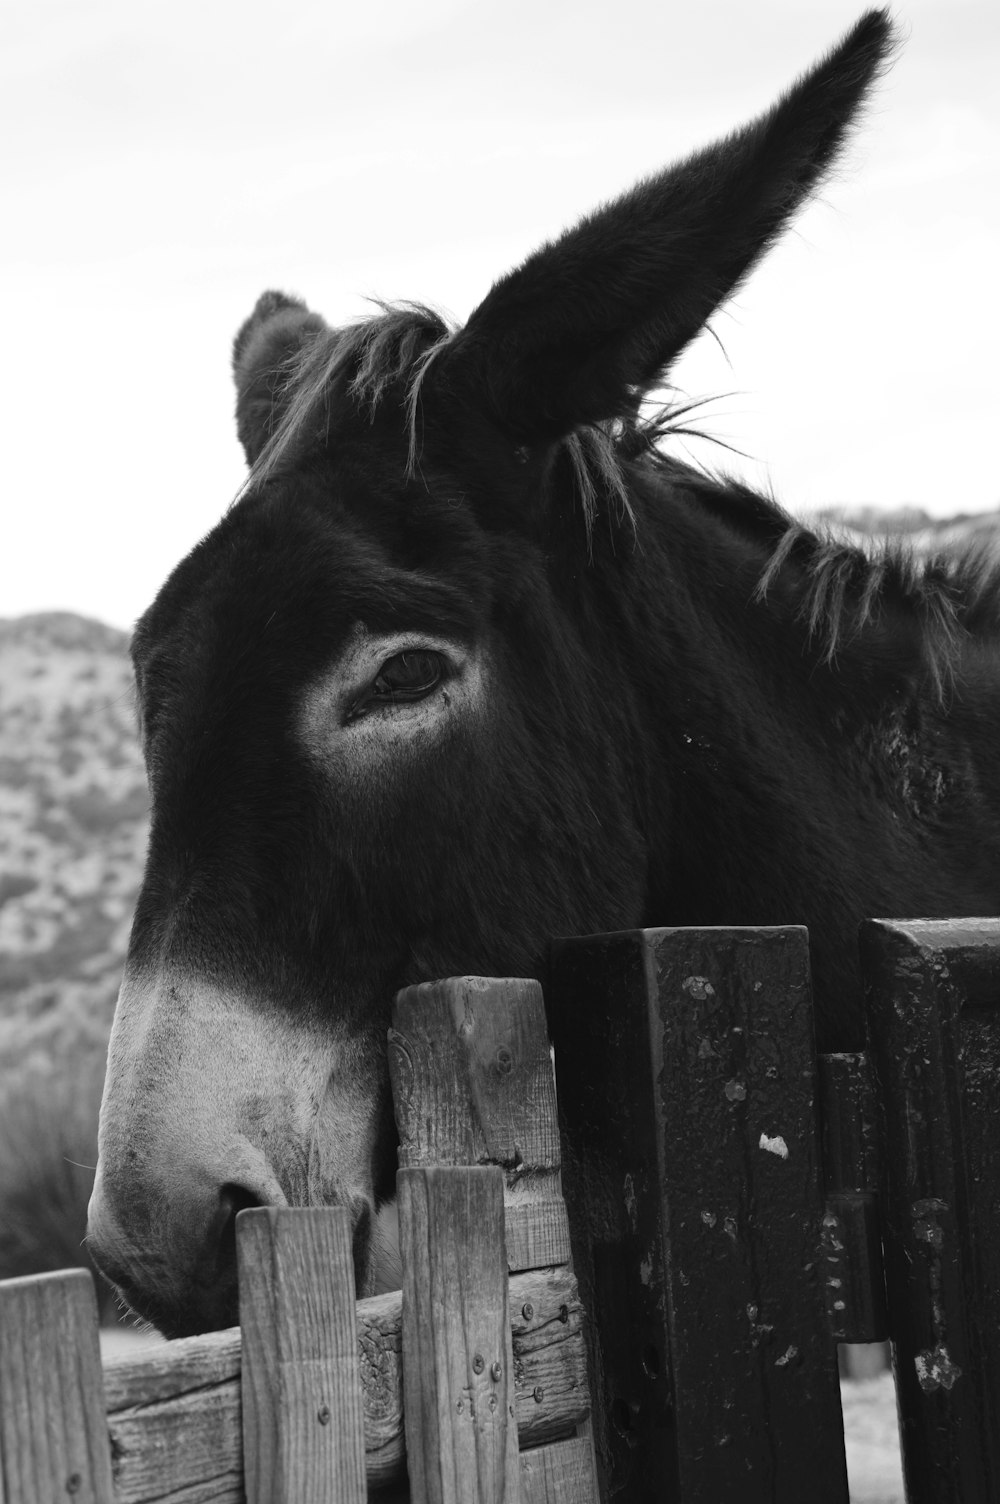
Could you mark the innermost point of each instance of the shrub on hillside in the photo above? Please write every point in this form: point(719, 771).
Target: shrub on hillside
point(48, 1129)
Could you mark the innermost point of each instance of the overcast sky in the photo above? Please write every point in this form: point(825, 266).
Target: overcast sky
point(164, 161)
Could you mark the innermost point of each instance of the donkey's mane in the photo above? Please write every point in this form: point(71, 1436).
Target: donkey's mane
point(954, 593)
point(839, 584)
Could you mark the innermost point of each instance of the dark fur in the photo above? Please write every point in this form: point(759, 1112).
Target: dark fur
point(703, 713)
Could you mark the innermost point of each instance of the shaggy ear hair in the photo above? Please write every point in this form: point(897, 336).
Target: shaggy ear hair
point(592, 320)
point(264, 354)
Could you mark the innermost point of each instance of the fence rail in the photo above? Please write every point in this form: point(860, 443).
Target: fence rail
point(729, 1197)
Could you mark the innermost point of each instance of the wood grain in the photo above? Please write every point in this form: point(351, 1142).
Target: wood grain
point(473, 1084)
point(303, 1426)
point(174, 1410)
point(461, 1430)
point(53, 1436)
point(561, 1473)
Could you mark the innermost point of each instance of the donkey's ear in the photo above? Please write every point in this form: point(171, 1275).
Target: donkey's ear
point(592, 320)
point(264, 353)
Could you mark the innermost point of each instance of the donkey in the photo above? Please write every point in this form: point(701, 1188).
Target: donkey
point(473, 661)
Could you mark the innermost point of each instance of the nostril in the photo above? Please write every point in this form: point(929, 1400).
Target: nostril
point(232, 1200)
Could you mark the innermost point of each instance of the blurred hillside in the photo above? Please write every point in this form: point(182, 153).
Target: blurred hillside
point(73, 823)
point(925, 532)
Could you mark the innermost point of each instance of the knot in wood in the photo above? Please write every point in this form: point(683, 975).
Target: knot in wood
point(323, 1415)
point(478, 1363)
point(504, 1061)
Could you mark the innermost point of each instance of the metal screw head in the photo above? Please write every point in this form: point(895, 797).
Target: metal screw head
point(323, 1415)
point(478, 1363)
point(496, 1372)
point(527, 1310)
point(538, 1394)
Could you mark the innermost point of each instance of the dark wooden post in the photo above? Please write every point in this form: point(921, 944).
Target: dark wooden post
point(852, 1241)
point(934, 1021)
point(687, 1097)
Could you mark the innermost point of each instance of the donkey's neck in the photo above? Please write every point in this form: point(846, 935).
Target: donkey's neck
point(765, 810)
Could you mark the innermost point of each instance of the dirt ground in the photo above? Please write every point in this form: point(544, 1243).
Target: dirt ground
point(872, 1440)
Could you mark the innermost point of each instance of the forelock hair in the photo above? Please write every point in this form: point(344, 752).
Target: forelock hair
point(396, 348)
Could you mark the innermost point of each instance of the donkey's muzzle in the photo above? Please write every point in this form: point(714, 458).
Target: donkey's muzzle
point(192, 1288)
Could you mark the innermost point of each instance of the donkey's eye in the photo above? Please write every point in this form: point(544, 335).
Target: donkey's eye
point(407, 675)
point(404, 676)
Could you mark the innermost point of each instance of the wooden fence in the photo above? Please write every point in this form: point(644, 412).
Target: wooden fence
point(729, 1198)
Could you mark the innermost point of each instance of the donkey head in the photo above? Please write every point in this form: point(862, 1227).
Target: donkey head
point(391, 722)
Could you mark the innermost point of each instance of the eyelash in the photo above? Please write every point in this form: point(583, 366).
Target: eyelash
point(382, 692)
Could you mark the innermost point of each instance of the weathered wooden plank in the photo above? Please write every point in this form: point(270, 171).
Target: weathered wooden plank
point(53, 1437)
point(303, 1429)
point(164, 1370)
point(934, 1020)
point(852, 1240)
point(180, 1447)
point(472, 1084)
point(169, 1429)
point(688, 1102)
point(561, 1473)
point(550, 1364)
point(461, 1431)
point(223, 1488)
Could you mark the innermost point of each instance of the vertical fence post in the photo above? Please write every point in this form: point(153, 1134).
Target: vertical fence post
point(472, 1081)
point(687, 1096)
point(458, 1389)
point(303, 1424)
point(852, 1240)
point(53, 1429)
point(934, 1021)
point(472, 1084)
